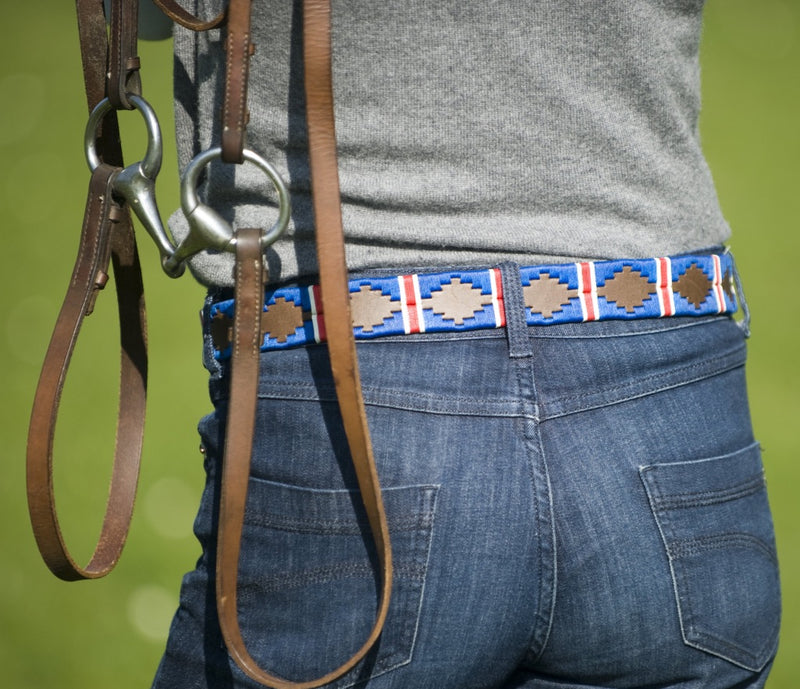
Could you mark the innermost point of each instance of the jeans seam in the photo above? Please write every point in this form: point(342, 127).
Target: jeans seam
point(549, 332)
point(332, 573)
point(316, 575)
point(331, 526)
point(545, 636)
point(543, 620)
point(604, 403)
point(657, 376)
point(382, 397)
point(426, 565)
point(503, 408)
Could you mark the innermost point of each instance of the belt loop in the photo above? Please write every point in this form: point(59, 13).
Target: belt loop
point(744, 324)
point(519, 345)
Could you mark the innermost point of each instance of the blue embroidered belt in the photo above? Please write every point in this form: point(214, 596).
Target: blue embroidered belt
point(463, 300)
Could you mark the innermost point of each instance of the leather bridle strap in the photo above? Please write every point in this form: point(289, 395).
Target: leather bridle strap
point(179, 15)
point(237, 70)
point(341, 346)
point(107, 232)
point(335, 290)
point(123, 59)
point(102, 236)
point(238, 48)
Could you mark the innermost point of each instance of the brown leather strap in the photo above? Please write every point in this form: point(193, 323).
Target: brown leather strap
point(335, 290)
point(344, 365)
point(102, 235)
point(237, 67)
point(93, 35)
point(99, 238)
point(123, 59)
point(186, 19)
point(238, 49)
point(107, 231)
point(249, 296)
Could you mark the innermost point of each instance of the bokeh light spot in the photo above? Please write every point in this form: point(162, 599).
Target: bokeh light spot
point(150, 611)
point(170, 505)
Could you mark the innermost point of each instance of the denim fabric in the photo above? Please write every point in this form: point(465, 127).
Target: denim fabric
point(571, 506)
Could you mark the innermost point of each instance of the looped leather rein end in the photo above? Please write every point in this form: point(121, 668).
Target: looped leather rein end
point(101, 240)
point(102, 234)
point(344, 365)
point(249, 296)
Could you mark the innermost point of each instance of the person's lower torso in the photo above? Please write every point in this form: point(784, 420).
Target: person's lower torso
point(575, 505)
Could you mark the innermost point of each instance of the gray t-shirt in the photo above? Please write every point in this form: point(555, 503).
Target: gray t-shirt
point(469, 132)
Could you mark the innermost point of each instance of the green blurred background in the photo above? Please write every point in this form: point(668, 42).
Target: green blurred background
point(111, 632)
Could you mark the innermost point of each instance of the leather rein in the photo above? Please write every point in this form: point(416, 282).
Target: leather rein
point(111, 75)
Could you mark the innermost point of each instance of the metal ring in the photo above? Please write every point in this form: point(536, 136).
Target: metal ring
point(190, 202)
point(151, 163)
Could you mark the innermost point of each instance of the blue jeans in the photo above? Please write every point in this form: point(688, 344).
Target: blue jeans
point(570, 506)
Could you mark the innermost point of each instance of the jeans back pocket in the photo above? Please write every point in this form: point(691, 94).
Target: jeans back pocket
point(309, 578)
point(717, 529)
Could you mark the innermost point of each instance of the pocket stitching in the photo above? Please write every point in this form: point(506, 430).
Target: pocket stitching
point(680, 547)
point(417, 517)
point(660, 503)
point(693, 635)
point(703, 498)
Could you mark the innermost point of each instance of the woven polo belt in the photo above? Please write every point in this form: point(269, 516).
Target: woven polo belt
point(462, 300)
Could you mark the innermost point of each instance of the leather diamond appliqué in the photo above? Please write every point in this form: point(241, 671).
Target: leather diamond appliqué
point(281, 319)
point(457, 301)
point(370, 307)
point(694, 285)
point(628, 289)
point(728, 285)
point(546, 295)
point(221, 331)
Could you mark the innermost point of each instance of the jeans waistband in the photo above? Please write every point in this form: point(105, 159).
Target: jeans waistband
point(464, 300)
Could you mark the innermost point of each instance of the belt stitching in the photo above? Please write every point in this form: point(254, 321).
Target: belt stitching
point(468, 300)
